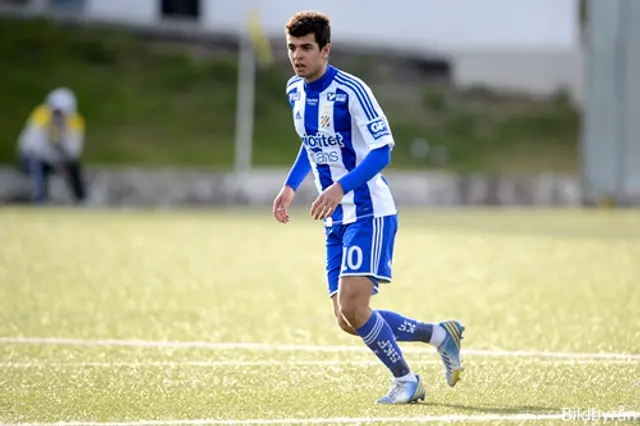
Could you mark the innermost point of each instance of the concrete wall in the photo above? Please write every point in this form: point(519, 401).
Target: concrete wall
point(166, 188)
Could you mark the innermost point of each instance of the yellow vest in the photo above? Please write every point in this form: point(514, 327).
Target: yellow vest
point(41, 117)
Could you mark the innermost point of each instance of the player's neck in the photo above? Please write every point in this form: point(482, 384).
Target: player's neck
point(319, 74)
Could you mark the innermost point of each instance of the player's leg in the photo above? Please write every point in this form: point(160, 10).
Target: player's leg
point(411, 330)
point(358, 281)
point(445, 336)
point(342, 322)
point(404, 328)
point(333, 244)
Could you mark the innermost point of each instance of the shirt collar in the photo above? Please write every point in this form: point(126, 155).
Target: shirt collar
point(323, 82)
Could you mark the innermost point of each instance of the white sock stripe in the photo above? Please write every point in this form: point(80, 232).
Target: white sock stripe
point(373, 329)
point(370, 331)
point(373, 335)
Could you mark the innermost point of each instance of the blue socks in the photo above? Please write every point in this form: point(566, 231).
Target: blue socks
point(379, 337)
point(407, 329)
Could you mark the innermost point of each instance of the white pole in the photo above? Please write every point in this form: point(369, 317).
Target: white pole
point(245, 106)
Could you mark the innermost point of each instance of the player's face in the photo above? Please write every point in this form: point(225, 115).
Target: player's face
point(307, 59)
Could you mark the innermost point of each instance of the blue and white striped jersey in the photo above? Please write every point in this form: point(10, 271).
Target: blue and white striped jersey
point(339, 122)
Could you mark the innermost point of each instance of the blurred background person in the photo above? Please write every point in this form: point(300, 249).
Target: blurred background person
point(53, 141)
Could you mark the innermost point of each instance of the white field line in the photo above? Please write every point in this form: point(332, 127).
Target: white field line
point(117, 364)
point(299, 348)
point(523, 417)
point(288, 364)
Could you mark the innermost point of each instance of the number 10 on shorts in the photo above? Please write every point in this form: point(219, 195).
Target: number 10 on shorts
point(352, 258)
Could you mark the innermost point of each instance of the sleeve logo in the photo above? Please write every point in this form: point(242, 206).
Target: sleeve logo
point(378, 128)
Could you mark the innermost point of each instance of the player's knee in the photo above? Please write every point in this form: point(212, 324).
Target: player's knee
point(353, 299)
point(341, 321)
point(353, 312)
point(344, 325)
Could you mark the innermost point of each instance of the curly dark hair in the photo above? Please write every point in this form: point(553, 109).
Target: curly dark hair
point(303, 23)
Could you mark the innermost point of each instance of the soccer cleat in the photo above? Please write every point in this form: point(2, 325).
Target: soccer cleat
point(449, 351)
point(404, 392)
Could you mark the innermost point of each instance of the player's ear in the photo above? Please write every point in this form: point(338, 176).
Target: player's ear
point(325, 51)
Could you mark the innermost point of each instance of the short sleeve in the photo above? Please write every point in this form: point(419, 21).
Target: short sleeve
point(368, 115)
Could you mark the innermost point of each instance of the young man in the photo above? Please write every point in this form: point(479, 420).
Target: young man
point(52, 141)
point(346, 142)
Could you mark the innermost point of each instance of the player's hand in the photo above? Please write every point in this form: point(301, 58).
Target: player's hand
point(326, 203)
point(282, 203)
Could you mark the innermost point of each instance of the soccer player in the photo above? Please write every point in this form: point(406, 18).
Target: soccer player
point(346, 143)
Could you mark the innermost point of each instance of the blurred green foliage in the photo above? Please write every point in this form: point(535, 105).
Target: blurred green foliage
point(154, 104)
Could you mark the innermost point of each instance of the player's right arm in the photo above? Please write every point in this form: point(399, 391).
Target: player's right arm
point(300, 169)
point(298, 172)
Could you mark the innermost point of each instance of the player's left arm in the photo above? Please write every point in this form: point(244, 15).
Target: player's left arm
point(374, 128)
point(371, 165)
